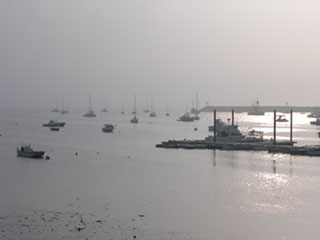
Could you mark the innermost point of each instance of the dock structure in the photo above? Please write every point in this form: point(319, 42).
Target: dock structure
point(272, 145)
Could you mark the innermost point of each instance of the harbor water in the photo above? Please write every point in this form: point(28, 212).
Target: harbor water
point(118, 185)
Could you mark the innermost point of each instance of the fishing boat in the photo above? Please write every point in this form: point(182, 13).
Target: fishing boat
point(108, 127)
point(90, 113)
point(27, 152)
point(186, 118)
point(134, 119)
point(54, 123)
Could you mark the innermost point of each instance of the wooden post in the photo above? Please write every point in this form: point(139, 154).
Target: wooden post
point(214, 126)
point(291, 125)
point(232, 118)
point(274, 126)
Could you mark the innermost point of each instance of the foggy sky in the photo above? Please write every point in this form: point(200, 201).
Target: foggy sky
point(230, 51)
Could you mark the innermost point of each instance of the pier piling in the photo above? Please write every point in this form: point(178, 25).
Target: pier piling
point(232, 118)
point(214, 126)
point(291, 125)
point(274, 126)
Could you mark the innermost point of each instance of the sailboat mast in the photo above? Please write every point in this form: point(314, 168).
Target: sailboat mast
point(197, 101)
point(151, 104)
point(135, 106)
point(90, 102)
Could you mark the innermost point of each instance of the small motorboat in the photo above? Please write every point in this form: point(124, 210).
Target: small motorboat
point(152, 114)
point(108, 128)
point(134, 120)
point(55, 129)
point(27, 152)
point(281, 118)
point(53, 123)
point(186, 118)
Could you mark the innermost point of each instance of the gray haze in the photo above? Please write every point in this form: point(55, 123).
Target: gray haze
point(230, 51)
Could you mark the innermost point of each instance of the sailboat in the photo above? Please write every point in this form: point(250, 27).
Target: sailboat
point(167, 113)
point(56, 109)
point(105, 109)
point(134, 119)
point(152, 113)
point(63, 111)
point(146, 110)
point(90, 112)
point(196, 110)
point(255, 110)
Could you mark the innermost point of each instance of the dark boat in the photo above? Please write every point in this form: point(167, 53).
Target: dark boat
point(28, 152)
point(108, 128)
point(53, 123)
point(186, 118)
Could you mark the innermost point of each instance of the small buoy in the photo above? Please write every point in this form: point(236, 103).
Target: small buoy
point(195, 129)
point(76, 153)
point(47, 157)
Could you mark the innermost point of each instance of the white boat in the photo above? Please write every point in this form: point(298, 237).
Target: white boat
point(253, 136)
point(134, 119)
point(108, 127)
point(255, 110)
point(27, 152)
point(54, 123)
point(219, 123)
point(225, 133)
point(90, 112)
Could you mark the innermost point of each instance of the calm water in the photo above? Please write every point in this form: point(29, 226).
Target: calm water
point(120, 186)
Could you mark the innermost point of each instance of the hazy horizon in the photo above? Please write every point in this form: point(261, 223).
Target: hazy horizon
point(230, 52)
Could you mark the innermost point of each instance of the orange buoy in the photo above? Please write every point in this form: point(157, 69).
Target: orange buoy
point(47, 157)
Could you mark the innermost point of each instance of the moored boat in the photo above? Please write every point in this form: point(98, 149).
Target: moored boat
point(108, 127)
point(27, 152)
point(54, 123)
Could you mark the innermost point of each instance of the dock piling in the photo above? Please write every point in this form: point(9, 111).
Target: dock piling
point(291, 125)
point(232, 118)
point(274, 126)
point(214, 126)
